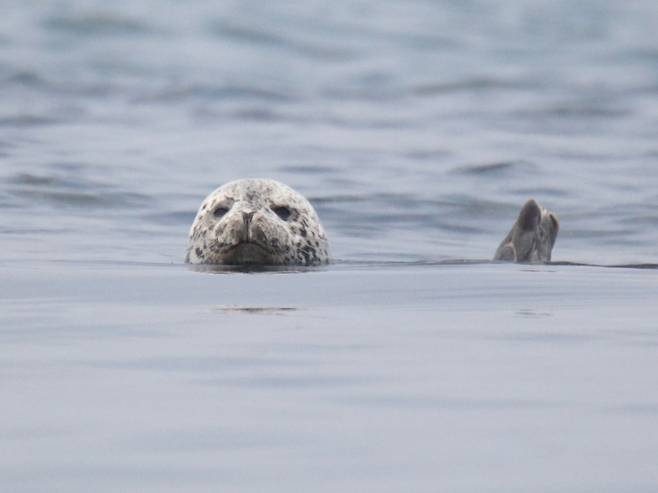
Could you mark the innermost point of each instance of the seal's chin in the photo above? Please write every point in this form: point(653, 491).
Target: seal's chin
point(248, 253)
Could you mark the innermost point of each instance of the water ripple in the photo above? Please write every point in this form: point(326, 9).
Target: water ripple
point(283, 40)
point(503, 168)
point(95, 23)
point(76, 192)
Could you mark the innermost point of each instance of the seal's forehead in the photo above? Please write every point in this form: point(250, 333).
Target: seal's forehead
point(258, 192)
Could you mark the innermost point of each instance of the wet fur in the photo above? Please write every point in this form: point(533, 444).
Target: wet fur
point(532, 237)
point(251, 233)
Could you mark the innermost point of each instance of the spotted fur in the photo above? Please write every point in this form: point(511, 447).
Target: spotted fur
point(532, 237)
point(257, 221)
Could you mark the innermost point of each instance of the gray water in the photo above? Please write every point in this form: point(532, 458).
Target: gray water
point(417, 129)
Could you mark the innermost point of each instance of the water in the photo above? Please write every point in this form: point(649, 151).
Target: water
point(417, 129)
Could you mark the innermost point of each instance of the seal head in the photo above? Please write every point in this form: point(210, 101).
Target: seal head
point(256, 222)
point(532, 237)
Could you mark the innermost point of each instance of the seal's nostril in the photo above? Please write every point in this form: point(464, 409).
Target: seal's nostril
point(247, 217)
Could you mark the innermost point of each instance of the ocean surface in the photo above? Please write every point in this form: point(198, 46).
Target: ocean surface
point(411, 363)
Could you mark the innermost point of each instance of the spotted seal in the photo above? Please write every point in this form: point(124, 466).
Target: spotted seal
point(532, 237)
point(257, 222)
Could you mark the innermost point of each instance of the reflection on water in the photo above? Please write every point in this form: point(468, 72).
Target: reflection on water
point(258, 310)
point(530, 313)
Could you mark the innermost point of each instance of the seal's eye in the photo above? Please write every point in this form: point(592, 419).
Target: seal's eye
point(220, 211)
point(282, 211)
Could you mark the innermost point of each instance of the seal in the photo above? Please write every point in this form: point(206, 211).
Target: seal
point(532, 237)
point(257, 222)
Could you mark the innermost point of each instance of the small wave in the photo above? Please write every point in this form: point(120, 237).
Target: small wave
point(84, 199)
point(471, 85)
point(251, 112)
point(36, 81)
point(338, 199)
point(6, 202)
point(28, 120)
point(72, 192)
point(29, 179)
point(309, 169)
point(259, 115)
point(96, 23)
point(266, 38)
point(500, 168)
point(576, 110)
point(646, 220)
point(26, 78)
point(641, 266)
point(258, 310)
point(537, 190)
point(428, 154)
point(610, 235)
point(210, 92)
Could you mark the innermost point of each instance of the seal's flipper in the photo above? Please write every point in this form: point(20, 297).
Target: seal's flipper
point(532, 237)
point(506, 253)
